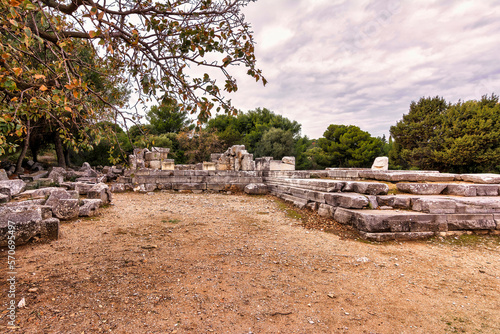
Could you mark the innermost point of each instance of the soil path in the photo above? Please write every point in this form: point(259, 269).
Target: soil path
point(216, 263)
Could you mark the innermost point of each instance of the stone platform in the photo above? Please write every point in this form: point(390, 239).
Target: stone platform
point(421, 204)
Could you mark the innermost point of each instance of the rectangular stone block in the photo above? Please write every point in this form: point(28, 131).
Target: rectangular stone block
point(189, 186)
point(471, 222)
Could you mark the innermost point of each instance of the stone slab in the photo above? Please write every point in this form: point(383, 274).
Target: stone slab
point(422, 188)
point(481, 178)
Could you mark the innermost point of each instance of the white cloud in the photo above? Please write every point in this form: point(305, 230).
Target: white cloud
point(363, 62)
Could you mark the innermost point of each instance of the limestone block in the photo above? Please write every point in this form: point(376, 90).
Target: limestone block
point(139, 152)
point(56, 177)
point(312, 206)
point(370, 188)
point(263, 164)
point(15, 186)
point(381, 163)
point(326, 210)
point(100, 191)
point(297, 201)
point(132, 161)
point(471, 222)
point(256, 189)
point(66, 209)
point(167, 165)
point(422, 188)
point(57, 195)
point(460, 190)
point(481, 178)
point(247, 162)
point(83, 188)
point(397, 202)
point(118, 188)
point(89, 207)
point(344, 216)
point(346, 200)
point(233, 150)
point(189, 186)
point(149, 156)
point(486, 189)
point(26, 223)
point(437, 205)
point(209, 166)
point(3, 175)
point(154, 164)
point(34, 176)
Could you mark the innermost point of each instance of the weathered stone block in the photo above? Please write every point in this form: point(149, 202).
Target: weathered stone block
point(3, 175)
point(100, 191)
point(471, 222)
point(209, 166)
point(434, 205)
point(381, 163)
point(66, 209)
point(256, 189)
point(481, 178)
point(189, 186)
point(422, 188)
point(118, 188)
point(326, 210)
point(33, 176)
point(89, 207)
point(369, 188)
point(15, 186)
point(154, 164)
point(346, 200)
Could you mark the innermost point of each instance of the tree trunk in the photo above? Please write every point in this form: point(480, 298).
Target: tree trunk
point(24, 149)
point(67, 157)
point(61, 162)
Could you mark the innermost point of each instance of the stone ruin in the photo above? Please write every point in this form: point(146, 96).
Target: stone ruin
point(420, 204)
point(236, 158)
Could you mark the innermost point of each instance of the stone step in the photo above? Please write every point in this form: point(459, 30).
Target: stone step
point(369, 188)
point(458, 189)
point(393, 221)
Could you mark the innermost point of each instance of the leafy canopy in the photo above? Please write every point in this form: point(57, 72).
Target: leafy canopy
point(155, 44)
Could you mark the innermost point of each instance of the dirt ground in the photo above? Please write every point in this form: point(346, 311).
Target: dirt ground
point(218, 263)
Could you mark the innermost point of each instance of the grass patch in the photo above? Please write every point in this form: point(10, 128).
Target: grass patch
point(290, 213)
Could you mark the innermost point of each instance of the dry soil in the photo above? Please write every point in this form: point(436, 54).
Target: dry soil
point(218, 263)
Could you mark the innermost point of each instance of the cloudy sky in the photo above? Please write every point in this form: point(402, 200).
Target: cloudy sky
point(362, 62)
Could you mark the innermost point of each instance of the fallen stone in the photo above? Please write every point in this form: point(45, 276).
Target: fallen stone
point(118, 188)
point(89, 207)
point(256, 189)
point(422, 188)
point(82, 188)
point(33, 176)
point(3, 175)
point(25, 223)
point(100, 191)
point(66, 208)
point(56, 195)
point(15, 186)
point(326, 210)
point(56, 177)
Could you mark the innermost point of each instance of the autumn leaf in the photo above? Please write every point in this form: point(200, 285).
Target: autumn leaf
point(43, 88)
point(17, 70)
point(67, 108)
point(39, 76)
point(15, 3)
